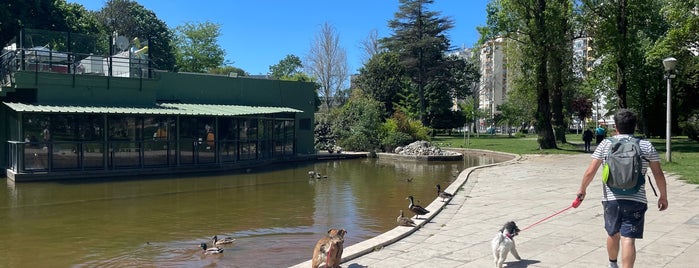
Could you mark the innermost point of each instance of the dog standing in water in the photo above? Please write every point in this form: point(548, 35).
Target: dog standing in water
point(504, 243)
point(329, 249)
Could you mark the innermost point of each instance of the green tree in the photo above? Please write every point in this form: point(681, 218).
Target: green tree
point(681, 41)
point(196, 47)
point(287, 67)
point(55, 15)
point(228, 70)
point(528, 22)
point(419, 38)
point(560, 60)
point(131, 19)
point(381, 78)
point(618, 28)
point(357, 124)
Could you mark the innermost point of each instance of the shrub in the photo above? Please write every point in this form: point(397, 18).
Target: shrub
point(691, 127)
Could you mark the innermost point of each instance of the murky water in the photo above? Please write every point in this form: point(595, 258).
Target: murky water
point(276, 214)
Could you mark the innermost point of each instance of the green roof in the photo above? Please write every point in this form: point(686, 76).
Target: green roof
point(158, 109)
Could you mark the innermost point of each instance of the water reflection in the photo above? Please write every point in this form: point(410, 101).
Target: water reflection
point(276, 214)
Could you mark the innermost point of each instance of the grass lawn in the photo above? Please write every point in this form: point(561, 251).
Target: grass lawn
point(685, 152)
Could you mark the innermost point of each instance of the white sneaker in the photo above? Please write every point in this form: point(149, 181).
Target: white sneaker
point(613, 265)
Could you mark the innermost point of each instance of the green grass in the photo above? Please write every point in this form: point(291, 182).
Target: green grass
point(685, 152)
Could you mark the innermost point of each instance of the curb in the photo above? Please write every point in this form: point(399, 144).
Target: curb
point(400, 232)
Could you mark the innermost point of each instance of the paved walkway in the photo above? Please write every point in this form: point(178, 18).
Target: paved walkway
point(527, 190)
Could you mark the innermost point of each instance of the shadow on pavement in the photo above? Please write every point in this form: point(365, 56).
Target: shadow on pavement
point(521, 264)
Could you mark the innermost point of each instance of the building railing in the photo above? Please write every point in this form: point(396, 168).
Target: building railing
point(73, 63)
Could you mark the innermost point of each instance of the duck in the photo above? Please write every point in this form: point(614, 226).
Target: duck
point(222, 241)
point(404, 221)
point(418, 210)
point(212, 250)
point(443, 195)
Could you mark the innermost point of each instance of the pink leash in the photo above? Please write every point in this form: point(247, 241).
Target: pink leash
point(575, 204)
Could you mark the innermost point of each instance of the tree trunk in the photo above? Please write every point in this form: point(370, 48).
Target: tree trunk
point(546, 138)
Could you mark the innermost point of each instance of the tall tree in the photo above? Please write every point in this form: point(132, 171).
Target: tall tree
point(681, 41)
point(527, 22)
point(419, 37)
point(381, 78)
point(287, 67)
point(370, 46)
point(327, 62)
point(617, 27)
point(196, 46)
point(55, 15)
point(560, 59)
point(129, 18)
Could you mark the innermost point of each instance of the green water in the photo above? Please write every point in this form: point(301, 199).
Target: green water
point(276, 214)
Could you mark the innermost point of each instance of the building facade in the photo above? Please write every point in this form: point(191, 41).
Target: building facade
point(68, 114)
point(493, 86)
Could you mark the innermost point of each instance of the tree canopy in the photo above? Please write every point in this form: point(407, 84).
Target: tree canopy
point(197, 48)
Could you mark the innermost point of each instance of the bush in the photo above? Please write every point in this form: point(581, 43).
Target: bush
point(691, 127)
point(394, 139)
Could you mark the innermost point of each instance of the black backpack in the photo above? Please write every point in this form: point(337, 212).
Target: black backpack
point(622, 171)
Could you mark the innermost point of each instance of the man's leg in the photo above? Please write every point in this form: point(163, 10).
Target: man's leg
point(613, 246)
point(628, 252)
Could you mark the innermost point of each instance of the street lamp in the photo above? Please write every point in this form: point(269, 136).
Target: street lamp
point(669, 64)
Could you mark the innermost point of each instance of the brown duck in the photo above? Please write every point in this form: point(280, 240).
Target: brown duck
point(404, 221)
point(443, 195)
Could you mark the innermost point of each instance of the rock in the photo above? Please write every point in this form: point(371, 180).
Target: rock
point(422, 148)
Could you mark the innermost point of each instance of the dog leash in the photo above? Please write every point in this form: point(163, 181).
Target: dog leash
point(575, 204)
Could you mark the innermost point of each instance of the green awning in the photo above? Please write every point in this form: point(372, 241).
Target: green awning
point(158, 109)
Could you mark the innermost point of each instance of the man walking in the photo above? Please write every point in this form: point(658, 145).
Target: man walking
point(587, 138)
point(600, 133)
point(624, 214)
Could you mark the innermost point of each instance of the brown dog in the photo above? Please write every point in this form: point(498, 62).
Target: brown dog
point(328, 250)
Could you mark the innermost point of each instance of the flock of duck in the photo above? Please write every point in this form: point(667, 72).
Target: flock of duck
point(418, 210)
point(216, 245)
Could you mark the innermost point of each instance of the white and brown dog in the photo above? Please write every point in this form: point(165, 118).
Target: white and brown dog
point(328, 250)
point(504, 243)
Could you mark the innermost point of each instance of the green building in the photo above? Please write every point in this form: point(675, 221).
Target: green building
point(70, 113)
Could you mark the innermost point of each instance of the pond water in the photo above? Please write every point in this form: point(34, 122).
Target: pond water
point(275, 214)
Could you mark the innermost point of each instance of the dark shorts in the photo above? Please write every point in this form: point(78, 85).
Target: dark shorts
point(624, 216)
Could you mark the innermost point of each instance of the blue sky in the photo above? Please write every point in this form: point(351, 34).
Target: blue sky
point(257, 34)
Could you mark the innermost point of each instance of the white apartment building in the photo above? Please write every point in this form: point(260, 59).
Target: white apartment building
point(492, 90)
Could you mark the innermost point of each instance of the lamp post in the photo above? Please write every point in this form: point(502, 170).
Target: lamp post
point(669, 64)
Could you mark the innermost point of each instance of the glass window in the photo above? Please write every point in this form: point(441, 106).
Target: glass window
point(227, 132)
point(248, 138)
point(159, 149)
point(125, 146)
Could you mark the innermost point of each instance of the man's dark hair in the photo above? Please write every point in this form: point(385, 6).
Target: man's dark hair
point(625, 121)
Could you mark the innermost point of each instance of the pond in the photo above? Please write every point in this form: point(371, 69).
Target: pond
point(276, 214)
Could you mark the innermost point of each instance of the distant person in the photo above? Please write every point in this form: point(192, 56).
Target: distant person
point(46, 136)
point(624, 213)
point(600, 133)
point(587, 138)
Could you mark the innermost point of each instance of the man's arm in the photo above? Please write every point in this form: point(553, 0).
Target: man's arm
point(588, 176)
point(661, 183)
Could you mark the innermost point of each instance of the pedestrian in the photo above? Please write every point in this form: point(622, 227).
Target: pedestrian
point(587, 138)
point(600, 133)
point(624, 214)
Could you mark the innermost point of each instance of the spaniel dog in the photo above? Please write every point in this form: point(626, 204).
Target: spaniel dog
point(329, 249)
point(504, 243)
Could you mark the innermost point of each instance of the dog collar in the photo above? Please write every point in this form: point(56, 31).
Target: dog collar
point(510, 236)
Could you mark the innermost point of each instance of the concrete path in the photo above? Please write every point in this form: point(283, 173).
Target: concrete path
point(527, 190)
